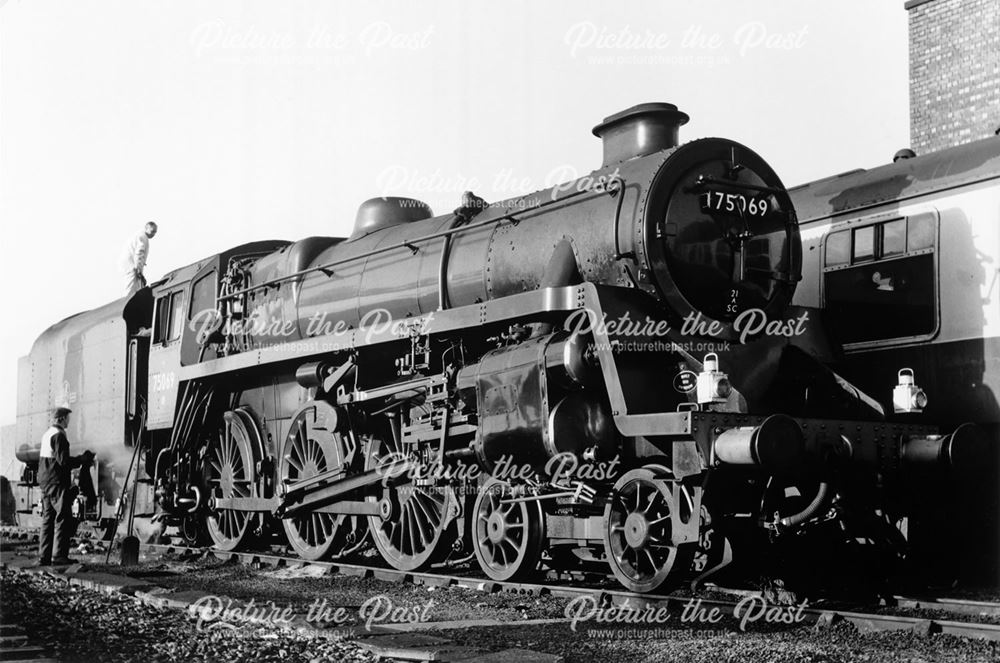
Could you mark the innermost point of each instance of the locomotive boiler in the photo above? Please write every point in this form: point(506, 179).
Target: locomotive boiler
point(607, 374)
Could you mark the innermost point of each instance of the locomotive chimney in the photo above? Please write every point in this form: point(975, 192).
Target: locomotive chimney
point(638, 131)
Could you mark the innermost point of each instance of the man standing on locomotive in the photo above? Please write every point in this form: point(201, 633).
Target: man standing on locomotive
point(134, 259)
point(54, 465)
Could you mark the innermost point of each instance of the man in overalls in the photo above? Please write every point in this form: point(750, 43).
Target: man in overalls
point(54, 466)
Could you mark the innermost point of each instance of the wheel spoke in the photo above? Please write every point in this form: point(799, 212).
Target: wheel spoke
point(411, 527)
point(437, 502)
point(431, 517)
point(319, 527)
point(652, 562)
point(294, 463)
point(422, 525)
point(397, 530)
point(302, 437)
point(310, 455)
point(318, 533)
point(326, 525)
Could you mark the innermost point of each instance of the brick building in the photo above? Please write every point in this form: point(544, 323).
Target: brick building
point(954, 72)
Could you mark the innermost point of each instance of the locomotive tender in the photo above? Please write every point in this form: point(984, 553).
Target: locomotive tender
point(608, 375)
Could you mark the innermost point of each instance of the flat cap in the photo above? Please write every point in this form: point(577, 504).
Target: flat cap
point(60, 412)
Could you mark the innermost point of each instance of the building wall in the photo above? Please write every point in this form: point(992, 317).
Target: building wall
point(954, 72)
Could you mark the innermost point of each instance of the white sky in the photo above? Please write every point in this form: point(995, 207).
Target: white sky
point(228, 122)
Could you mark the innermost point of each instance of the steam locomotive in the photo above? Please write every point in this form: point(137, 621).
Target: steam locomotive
point(608, 374)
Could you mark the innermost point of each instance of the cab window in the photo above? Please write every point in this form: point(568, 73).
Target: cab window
point(202, 296)
point(880, 280)
point(202, 319)
point(169, 317)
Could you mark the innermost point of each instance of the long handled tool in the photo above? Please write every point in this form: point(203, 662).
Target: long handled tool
point(130, 544)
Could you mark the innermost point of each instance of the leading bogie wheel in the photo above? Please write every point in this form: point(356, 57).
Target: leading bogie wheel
point(507, 535)
point(638, 531)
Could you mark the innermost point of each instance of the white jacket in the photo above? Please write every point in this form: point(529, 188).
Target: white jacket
point(134, 255)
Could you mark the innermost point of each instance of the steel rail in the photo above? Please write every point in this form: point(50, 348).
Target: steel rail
point(606, 597)
point(610, 597)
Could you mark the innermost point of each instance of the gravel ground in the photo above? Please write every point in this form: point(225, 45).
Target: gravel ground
point(841, 642)
point(301, 588)
point(116, 628)
point(83, 625)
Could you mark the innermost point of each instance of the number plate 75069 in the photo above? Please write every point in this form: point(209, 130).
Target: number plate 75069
point(734, 203)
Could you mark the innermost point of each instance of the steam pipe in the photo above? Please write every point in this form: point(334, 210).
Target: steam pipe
point(443, 300)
